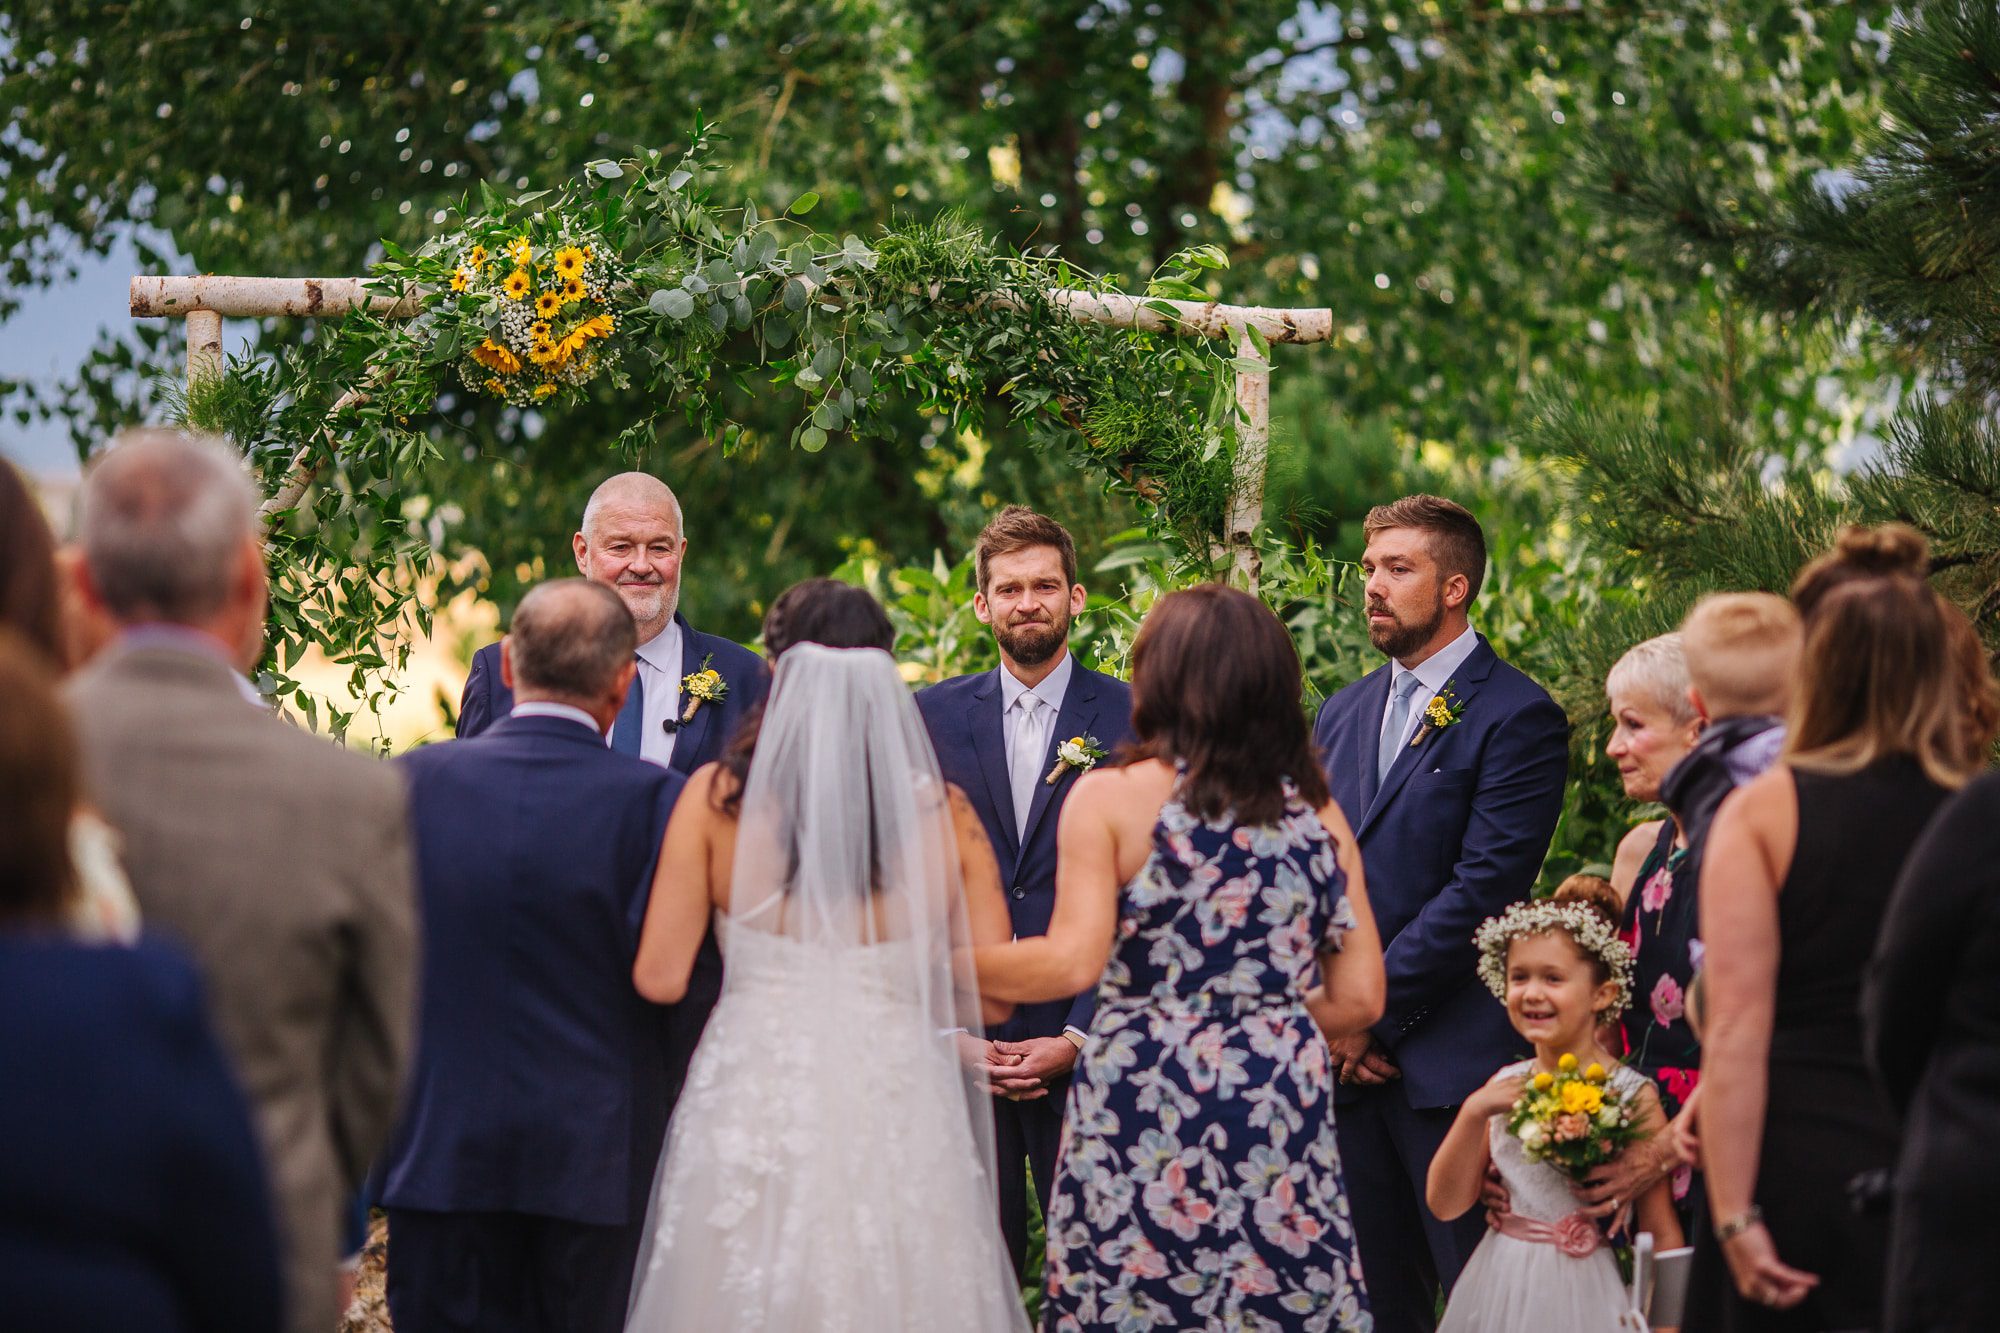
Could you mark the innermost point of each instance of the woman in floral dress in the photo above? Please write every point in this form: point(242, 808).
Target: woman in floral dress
point(1199, 1184)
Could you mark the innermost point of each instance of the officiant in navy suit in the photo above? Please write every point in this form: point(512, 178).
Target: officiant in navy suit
point(998, 735)
point(516, 1183)
point(1450, 766)
point(632, 540)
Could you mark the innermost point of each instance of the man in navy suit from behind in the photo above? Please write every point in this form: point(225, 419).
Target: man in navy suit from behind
point(633, 541)
point(516, 1184)
point(996, 735)
point(1454, 807)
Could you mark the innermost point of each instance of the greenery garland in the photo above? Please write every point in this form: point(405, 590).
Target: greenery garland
point(632, 277)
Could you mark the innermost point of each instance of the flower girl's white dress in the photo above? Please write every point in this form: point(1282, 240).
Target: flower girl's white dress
point(1565, 1279)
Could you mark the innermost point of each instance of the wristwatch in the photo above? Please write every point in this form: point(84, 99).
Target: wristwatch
point(1076, 1038)
point(1737, 1225)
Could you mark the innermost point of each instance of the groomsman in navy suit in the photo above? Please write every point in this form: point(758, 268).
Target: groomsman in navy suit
point(517, 1181)
point(1450, 766)
point(632, 541)
point(996, 735)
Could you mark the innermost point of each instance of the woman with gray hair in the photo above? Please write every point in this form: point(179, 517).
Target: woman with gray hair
point(1653, 726)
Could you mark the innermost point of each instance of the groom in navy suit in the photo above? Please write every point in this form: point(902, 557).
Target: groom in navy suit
point(1450, 766)
point(517, 1181)
point(997, 735)
point(632, 541)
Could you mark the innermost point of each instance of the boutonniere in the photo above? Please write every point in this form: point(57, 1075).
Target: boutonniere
point(705, 686)
point(1444, 710)
point(1078, 752)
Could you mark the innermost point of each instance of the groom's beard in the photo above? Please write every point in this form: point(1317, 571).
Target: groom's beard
point(1034, 642)
point(1398, 637)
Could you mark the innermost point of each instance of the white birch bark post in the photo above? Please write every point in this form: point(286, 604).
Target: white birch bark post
point(203, 301)
point(1253, 458)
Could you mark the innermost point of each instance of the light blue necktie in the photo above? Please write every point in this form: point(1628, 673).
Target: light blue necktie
point(1392, 729)
point(629, 732)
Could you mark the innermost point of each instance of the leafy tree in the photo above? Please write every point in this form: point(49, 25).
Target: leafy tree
point(1899, 243)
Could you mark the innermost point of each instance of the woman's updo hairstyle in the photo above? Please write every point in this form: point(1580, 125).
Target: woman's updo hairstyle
point(823, 611)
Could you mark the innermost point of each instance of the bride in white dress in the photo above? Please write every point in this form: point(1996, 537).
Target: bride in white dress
point(828, 1166)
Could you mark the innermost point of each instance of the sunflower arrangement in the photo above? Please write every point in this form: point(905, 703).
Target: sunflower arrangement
point(1573, 1119)
point(538, 297)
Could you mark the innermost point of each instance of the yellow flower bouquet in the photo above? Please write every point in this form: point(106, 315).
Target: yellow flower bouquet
point(1573, 1119)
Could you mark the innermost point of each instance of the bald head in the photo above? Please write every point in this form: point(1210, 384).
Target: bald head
point(631, 541)
point(572, 642)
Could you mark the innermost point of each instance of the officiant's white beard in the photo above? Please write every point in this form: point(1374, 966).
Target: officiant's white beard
point(652, 603)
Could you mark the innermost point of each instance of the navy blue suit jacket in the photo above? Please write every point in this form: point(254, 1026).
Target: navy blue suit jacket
point(130, 1182)
point(963, 717)
point(1458, 830)
point(486, 700)
point(540, 1082)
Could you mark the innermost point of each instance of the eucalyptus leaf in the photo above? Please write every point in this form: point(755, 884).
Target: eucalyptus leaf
point(812, 439)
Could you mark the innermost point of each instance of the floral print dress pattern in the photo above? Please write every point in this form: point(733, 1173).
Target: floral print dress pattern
point(1199, 1183)
point(1660, 924)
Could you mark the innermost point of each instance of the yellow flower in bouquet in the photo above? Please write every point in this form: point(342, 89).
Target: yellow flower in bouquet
point(701, 686)
point(1573, 1119)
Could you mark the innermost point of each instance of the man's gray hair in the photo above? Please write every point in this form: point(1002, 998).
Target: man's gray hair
point(163, 518)
point(1657, 669)
point(569, 638)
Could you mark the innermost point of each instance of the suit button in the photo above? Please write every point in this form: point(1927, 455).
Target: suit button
point(1020, 894)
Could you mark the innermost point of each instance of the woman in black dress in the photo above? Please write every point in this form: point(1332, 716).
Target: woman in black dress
point(1932, 1013)
point(1798, 873)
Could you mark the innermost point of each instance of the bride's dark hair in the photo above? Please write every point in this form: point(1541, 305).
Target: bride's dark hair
point(822, 611)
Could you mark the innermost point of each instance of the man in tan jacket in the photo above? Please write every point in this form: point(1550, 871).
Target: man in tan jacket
point(281, 861)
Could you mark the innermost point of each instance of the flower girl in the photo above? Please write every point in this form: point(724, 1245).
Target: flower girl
point(1546, 1267)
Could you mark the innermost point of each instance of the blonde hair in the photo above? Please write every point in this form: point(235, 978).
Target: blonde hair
point(1658, 669)
point(1884, 671)
point(1742, 652)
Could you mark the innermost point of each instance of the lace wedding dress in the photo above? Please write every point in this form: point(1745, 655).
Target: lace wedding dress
point(828, 1166)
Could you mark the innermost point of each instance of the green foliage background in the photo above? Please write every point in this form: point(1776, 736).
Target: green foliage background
point(1433, 172)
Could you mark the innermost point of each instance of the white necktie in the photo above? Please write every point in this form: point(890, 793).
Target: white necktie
point(1024, 763)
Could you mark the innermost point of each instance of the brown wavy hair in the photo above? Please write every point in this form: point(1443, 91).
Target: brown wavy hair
point(1886, 668)
point(1216, 685)
point(39, 788)
point(30, 596)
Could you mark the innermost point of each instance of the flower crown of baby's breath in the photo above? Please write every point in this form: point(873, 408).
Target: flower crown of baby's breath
point(1579, 921)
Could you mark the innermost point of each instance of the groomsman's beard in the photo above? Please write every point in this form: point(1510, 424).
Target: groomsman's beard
point(1399, 638)
point(1034, 643)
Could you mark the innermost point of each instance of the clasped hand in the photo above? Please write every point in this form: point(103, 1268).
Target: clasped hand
point(1017, 1070)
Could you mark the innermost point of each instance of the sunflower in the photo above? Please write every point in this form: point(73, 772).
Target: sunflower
point(520, 251)
point(492, 355)
point(539, 330)
point(544, 390)
point(517, 284)
point(597, 326)
point(495, 387)
point(572, 291)
point(477, 258)
point(461, 279)
point(569, 261)
point(547, 304)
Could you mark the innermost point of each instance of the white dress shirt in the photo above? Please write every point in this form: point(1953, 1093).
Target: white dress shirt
point(1028, 731)
point(550, 708)
point(1433, 674)
point(660, 677)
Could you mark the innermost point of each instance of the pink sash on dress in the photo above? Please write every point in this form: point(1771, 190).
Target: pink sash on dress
point(1575, 1235)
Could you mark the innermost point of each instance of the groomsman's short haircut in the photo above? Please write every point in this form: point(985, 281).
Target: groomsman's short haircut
point(569, 638)
point(1458, 543)
point(164, 516)
point(1017, 528)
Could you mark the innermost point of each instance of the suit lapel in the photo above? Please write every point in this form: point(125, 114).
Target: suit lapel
point(1078, 712)
point(990, 747)
point(688, 740)
point(1464, 686)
